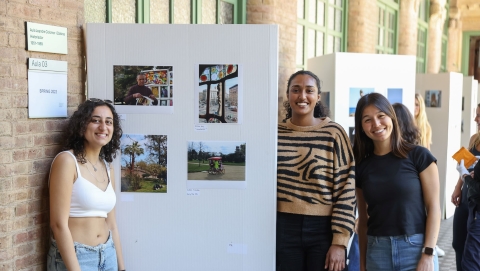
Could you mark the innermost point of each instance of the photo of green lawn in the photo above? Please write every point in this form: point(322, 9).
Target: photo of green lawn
point(144, 163)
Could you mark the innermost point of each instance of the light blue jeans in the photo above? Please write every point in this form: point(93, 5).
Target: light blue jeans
point(102, 257)
point(395, 253)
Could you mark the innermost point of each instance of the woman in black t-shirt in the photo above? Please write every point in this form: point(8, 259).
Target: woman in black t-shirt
point(398, 219)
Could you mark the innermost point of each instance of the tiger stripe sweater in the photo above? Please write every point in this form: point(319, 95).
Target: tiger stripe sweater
point(316, 175)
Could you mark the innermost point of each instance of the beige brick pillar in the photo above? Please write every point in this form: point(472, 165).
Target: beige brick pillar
point(407, 36)
point(284, 14)
point(435, 31)
point(454, 39)
point(362, 26)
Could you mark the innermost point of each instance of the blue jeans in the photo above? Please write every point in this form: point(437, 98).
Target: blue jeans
point(102, 257)
point(303, 242)
point(471, 252)
point(354, 255)
point(395, 253)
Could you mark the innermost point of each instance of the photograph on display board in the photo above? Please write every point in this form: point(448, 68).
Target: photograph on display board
point(433, 98)
point(355, 95)
point(216, 160)
point(218, 93)
point(143, 163)
point(351, 134)
point(395, 95)
point(142, 86)
point(325, 99)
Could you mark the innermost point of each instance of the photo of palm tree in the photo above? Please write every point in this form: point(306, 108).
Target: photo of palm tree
point(144, 163)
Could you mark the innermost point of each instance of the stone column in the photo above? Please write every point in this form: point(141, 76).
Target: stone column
point(454, 50)
point(435, 31)
point(362, 26)
point(407, 36)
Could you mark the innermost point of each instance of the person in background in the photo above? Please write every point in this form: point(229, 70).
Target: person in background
point(460, 199)
point(82, 194)
point(399, 183)
point(423, 125)
point(315, 183)
point(138, 91)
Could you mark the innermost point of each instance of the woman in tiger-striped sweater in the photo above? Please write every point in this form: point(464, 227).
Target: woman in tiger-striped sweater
point(315, 183)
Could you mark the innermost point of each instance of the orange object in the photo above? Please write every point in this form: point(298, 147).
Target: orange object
point(468, 157)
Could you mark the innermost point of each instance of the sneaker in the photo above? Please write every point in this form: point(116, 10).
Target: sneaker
point(439, 251)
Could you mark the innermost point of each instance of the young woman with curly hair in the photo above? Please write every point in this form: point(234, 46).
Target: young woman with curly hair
point(82, 197)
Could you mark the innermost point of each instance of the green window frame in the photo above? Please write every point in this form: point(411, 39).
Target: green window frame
point(422, 35)
point(321, 29)
point(143, 11)
point(387, 26)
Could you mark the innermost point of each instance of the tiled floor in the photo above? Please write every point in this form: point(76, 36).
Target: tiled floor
point(447, 262)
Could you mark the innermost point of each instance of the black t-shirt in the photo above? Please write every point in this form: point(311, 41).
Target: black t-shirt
point(393, 192)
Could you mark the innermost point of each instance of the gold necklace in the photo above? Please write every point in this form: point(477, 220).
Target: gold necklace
point(94, 166)
point(93, 174)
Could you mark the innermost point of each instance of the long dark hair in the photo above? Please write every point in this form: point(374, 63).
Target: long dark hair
point(363, 145)
point(73, 137)
point(320, 110)
point(406, 122)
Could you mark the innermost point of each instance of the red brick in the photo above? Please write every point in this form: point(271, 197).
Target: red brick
point(21, 209)
point(22, 223)
point(19, 155)
point(20, 70)
point(16, 40)
point(3, 7)
point(21, 101)
point(5, 184)
point(52, 151)
point(6, 227)
point(5, 170)
point(27, 261)
point(23, 250)
point(5, 242)
point(35, 127)
point(6, 255)
point(58, 17)
point(6, 213)
point(21, 195)
point(37, 206)
point(45, 3)
point(5, 156)
point(20, 182)
point(41, 166)
point(20, 127)
point(19, 10)
point(23, 141)
point(35, 153)
point(40, 192)
point(55, 125)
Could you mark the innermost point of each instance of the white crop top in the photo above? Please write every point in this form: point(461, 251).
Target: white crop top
point(87, 199)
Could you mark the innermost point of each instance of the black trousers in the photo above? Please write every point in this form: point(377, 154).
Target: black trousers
point(303, 242)
point(460, 219)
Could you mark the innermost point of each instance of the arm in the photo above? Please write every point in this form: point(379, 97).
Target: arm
point(112, 226)
point(130, 95)
point(362, 228)
point(62, 176)
point(457, 193)
point(430, 190)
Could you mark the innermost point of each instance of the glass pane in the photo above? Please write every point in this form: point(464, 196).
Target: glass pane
point(391, 21)
point(380, 37)
point(226, 13)
point(390, 40)
point(330, 44)
point(159, 11)
point(338, 20)
point(319, 43)
point(311, 43)
point(321, 13)
point(181, 12)
point(299, 45)
point(338, 44)
point(95, 11)
point(301, 9)
point(209, 9)
point(123, 11)
point(380, 16)
point(339, 3)
point(311, 11)
point(331, 18)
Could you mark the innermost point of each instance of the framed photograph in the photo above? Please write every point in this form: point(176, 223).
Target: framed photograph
point(433, 98)
point(355, 95)
point(395, 95)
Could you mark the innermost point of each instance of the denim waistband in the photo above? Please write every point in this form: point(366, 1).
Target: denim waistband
point(98, 247)
point(396, 237)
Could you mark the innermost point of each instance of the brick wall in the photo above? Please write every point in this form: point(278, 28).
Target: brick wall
point(27, 146)
point(362, 26)
point(407, 36)
point(284, 14)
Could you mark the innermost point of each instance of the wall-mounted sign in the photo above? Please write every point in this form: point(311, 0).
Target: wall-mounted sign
point(46, 38)
point(47, 88)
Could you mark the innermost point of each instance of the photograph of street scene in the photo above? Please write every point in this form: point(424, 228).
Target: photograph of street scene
point(218, 93)
point(144, 163)
point(216, 161)
point(143, 85)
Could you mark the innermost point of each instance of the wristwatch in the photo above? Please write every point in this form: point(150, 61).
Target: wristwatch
point(429, 251)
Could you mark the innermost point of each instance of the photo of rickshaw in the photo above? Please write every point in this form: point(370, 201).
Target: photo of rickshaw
point(216, 166)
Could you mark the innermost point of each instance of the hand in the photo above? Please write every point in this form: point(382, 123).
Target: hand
point(335, 260)
point(457, 195)
point(153, 97)
point(137, 95)
point(462, 170)
point(476, 160)
point(425, 263)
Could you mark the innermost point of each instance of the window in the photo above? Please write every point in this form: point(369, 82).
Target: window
point(387, 27)
point(320, 29)
point(166, 11)
point(422, 36)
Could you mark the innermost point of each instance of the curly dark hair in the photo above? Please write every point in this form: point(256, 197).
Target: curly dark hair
point(320, 110)
point(405, 119)
point(73, 137)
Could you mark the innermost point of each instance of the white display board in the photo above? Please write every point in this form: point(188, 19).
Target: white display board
point(445, 119)
point(469, 107)
point(344, 75)
point(204, 228)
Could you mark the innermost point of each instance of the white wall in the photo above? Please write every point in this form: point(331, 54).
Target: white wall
point(219, 229)
point(470, 92)
point(446, 133)
point(342, 71)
